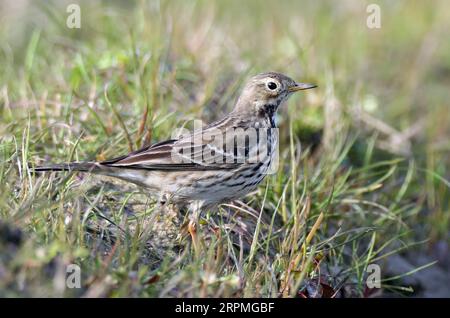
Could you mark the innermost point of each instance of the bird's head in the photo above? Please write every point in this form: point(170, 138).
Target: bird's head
point(265, 92)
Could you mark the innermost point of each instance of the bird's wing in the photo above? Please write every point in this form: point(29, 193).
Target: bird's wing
point(197, 151)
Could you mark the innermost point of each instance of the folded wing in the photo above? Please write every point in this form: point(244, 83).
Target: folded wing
point(194, 152)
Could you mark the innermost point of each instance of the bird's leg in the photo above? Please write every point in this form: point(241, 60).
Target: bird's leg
point(194, 214)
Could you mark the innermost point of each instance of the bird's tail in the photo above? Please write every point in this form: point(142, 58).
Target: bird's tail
point(72, 166)
point(135, 176)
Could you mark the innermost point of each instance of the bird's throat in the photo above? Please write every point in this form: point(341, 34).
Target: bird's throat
point(268, 112)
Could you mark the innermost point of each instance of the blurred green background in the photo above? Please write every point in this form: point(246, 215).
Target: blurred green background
point(173, 61)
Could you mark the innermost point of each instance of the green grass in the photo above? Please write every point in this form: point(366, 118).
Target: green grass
point(349, 192)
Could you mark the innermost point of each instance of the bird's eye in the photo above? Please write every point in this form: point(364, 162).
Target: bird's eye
point(272, 86)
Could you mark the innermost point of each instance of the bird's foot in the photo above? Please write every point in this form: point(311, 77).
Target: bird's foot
point(192, 229)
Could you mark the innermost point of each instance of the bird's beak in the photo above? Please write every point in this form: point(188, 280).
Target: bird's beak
point(300, 87)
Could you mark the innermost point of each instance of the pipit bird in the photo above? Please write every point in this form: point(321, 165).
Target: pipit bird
point(209, 166)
